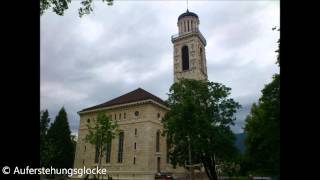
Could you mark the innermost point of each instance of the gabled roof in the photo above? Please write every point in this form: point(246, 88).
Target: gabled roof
point(133, 96)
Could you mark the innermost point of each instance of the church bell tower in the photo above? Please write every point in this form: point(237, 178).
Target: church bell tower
point(189, 49)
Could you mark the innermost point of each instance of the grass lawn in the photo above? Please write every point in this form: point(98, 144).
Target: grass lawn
point(239, 178)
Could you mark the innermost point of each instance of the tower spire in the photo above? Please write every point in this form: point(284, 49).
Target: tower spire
point(187, 6)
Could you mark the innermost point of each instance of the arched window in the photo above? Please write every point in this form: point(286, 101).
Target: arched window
point(158, 142)
point(185, 58)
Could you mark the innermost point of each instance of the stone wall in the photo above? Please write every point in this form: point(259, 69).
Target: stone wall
point(147, 123)
point(197, 61)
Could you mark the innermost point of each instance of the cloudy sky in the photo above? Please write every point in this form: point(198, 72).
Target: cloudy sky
point(87, 61)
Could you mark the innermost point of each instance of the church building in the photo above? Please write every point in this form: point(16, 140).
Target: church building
point(140, 151)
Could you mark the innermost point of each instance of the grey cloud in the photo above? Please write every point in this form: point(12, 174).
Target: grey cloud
point(117, 49)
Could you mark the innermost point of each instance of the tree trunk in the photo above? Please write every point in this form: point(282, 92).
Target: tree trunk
point(207, 171)
point(209, 165)
point(214, 172)
point(100, 158)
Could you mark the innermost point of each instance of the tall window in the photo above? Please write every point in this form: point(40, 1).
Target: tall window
point(134, 160)
point(120, 116)
point(124, 115)
point(158, 141)
point(108, 152)
point(191, 25)
point(115, 116)
point(201, 59)
point(135, 146)
point(185, 58)
point(158, 164)
point(120, 148)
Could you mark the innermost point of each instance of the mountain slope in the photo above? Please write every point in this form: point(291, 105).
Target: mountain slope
point(240, 141)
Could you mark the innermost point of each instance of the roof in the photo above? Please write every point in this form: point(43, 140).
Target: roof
point(133, 96)
point(187, 13)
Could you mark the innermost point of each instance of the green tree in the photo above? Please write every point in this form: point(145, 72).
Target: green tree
point(263, 129)
point(100, 134)
point(60, 146)
point(199, 120)
point(245, 166)
point(44, 123)
point(74, 144)
point(59, 6)
point(278, 50)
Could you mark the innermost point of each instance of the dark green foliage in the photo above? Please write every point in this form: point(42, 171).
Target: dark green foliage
point(74, 144)
point(59, 142)
point(87, 6)
point(278, 50)
point(240, 142)
point(44, 123)
point(263, 130)
point(245, 165)
point(59, 6)
point(262, 127)
point(200, 112)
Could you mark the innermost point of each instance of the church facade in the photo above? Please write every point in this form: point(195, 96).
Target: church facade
point(140, 151)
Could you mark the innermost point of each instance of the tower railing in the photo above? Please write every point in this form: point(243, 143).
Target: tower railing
point(178, 35)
